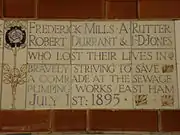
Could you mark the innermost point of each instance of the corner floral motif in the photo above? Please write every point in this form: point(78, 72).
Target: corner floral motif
point(167, 100)
point(141, 100)
point(15, 38)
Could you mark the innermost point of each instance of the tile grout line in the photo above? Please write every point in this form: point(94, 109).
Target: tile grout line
point(71, 75)
point(36, 8)
point(138, 11)
point(176, 64)
point(2, 63)
point(2, 8)
point(51, 121)
point(87, 120)
point(105, 9)
point(26, 66)
point(131, 40)
point(159, 121)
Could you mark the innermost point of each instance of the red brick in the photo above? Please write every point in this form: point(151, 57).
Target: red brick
point(19, 8)
point(25, 121)
point(159, 8)
point(1, 8)
point(122, 9)
point(69, 120)
point(170, 120)
point(123, 120)
point(70, 9)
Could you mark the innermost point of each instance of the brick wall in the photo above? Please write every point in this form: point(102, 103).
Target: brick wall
point(94, 120)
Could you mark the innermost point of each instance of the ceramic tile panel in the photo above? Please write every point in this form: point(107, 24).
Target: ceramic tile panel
point(89, 64)
point(101, 73)
point(154, 65)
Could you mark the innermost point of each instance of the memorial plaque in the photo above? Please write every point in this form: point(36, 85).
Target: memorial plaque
point(89, 64)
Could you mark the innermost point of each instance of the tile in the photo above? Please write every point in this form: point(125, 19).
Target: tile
point(154, 65)
point(25, 121)
point(177, 34)
point(19, 8)
point(69, 120)
point(159, 9)
point(123, 120)
point(178, 85)
point(157, 90)
point(101, 34)
point(48, 85)
point(96, 83)
point(101, 89)
point(49, 34)
point(49, 42)
point(101, 56)
point(1, 32)
point(153, 56)
point(48, 56)
point(156, 75)
point(14, 64)
point(121, 9)
point(71, 9)
point(152, 34)
point(170, 120)
point(1, 52)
